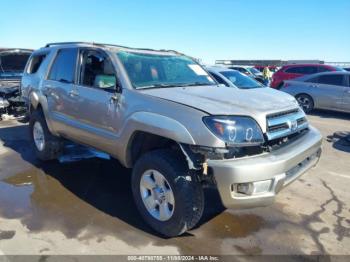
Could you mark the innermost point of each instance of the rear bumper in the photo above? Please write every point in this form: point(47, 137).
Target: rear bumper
point(274, 171)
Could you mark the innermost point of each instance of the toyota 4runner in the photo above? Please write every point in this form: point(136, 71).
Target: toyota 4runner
point(160, 113)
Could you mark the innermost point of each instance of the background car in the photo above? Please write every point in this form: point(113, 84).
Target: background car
point(249, 71)
point(12, 63)
point(347, 68)
point(261, 68)
point(233, 78)
point(330, 90)
point(297, 70)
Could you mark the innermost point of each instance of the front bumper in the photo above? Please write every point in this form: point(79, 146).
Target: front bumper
point(280, 167)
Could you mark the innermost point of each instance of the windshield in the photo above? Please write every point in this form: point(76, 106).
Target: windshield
point(254, 70)
point(240, 80)
point(160, 71)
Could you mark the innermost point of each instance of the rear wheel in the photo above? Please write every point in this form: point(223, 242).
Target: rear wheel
point(46, 145)
point(168, 196)
point(306, 102)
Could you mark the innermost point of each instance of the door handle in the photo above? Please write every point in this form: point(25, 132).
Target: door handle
point(73, 93)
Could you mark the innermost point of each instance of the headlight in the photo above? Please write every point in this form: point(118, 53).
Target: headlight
point(235, 130)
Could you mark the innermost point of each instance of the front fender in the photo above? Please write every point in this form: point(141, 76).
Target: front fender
point(160, 125)
point(151, 123)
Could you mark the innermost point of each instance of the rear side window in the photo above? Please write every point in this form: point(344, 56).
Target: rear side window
point(293, 70)
point(63, 68)
point(35, 63)
point(337, 80)
point(305, 70)
point(323, 69)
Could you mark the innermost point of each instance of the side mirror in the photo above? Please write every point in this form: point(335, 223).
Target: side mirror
point(118, 86)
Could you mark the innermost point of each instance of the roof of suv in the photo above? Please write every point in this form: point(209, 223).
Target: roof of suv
point(306, 77)
point(298, 65)
point(109, 46)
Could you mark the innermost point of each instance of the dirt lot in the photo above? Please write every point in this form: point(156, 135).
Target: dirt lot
point(86, 207)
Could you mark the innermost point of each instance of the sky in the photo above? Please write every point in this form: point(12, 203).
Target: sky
point(205, 29)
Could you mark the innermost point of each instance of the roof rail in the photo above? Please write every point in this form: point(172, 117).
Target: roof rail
point(67, 43)
point(91, 43)
point(101, 44)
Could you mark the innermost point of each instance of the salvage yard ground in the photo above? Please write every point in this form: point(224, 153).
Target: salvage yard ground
point(86, 207)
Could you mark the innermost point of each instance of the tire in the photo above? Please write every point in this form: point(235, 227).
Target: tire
point(306, 102)
point(187, 192)
point(52, 146)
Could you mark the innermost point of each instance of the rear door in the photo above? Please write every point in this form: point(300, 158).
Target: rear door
point(60, 90)
point(329, 90)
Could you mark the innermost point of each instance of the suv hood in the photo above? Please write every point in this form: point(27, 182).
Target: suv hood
point(12, 64)
point(219, 100)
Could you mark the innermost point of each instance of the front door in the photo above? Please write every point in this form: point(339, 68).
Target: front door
point(330, 90)
point(97, 103)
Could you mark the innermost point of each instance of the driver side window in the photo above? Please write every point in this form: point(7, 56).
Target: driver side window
point(97, 71)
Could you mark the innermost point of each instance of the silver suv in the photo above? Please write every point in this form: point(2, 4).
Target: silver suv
point(162, 114)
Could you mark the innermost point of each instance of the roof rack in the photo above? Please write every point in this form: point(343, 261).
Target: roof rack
point(87, 43)
point(101, 44)
point(120, 46)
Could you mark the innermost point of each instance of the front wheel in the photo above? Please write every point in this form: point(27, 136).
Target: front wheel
point(168, 196)
point(306, 102)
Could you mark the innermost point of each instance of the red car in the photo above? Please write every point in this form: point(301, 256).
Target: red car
point(293, 71)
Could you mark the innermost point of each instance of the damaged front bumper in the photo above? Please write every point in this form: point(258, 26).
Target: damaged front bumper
point(255, 181)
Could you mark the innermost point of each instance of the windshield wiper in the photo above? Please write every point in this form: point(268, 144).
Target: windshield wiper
point(173, 85)
point(249, 87)
point(158, 86)
point(196, 84)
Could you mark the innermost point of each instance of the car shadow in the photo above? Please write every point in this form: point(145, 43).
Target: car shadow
point(330, 114)
point(103, 184)
point(340, 140)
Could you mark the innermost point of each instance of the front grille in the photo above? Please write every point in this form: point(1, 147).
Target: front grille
point(283, 124)
point(284, 113)
point(277, 143)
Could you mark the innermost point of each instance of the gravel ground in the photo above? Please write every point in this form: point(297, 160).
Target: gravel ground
point(86, 207)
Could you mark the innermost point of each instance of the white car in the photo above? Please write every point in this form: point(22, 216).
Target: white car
point(233, 78)
point(247, 70)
